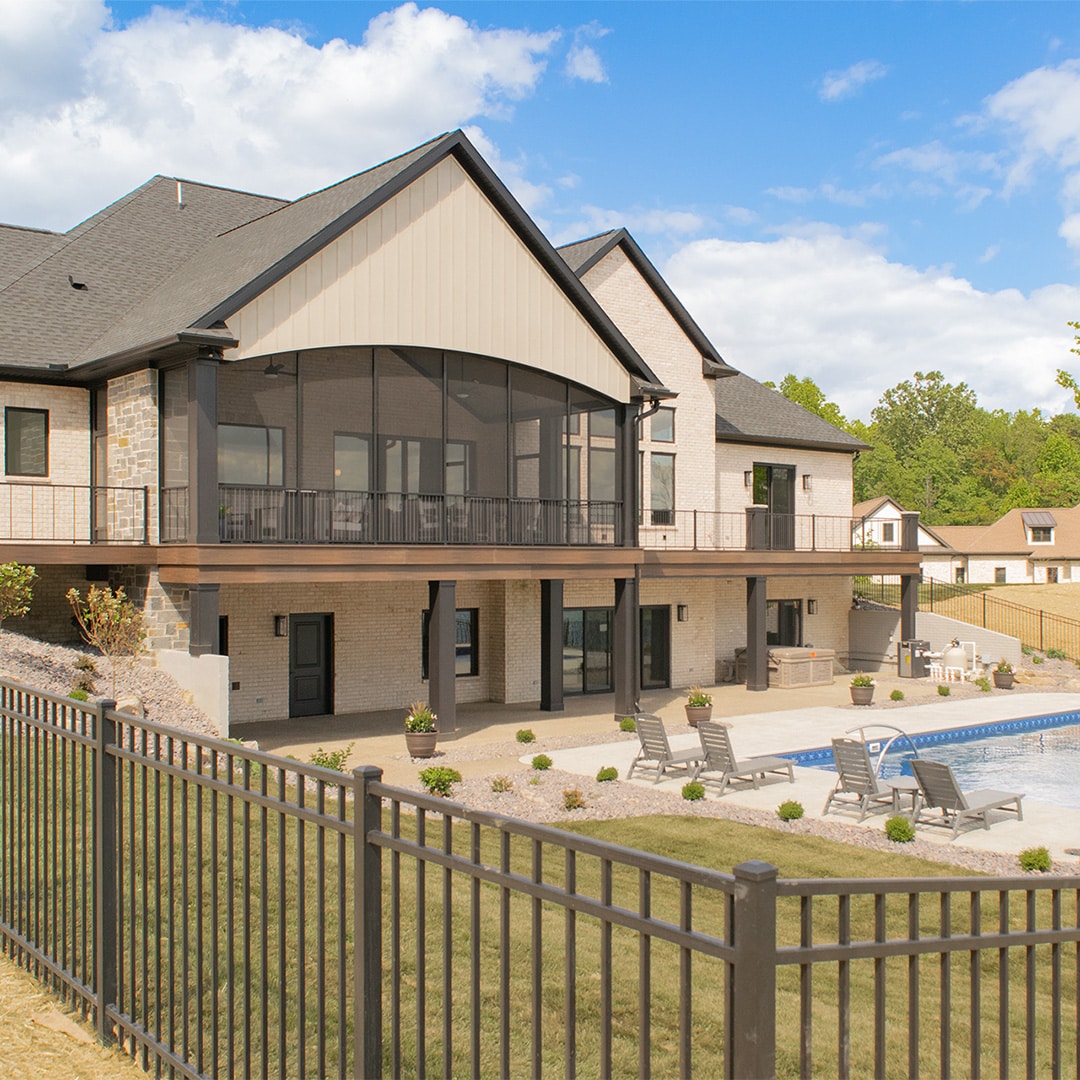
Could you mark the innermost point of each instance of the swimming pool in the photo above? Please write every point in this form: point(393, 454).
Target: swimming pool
point(1038, 756)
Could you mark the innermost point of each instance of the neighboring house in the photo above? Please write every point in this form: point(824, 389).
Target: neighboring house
point(384, 442)
point(1036, 546)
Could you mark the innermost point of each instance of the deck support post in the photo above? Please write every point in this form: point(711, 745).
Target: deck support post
point(442, 652)
point(551, 653)
point(757, 651)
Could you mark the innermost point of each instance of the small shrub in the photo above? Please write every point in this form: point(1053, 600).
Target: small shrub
point(1036, 659)
point(862, 679)
point(525, 735)
point(983, 684)
point(1027, 650)
point(1055, 654)
point(696, 697)
point(1003, 665)
point(608, 772)
point(1035, 858)
point(897, 695)
point(899, 830)
point(573, 799)
point(87, 671)
point(16, 589)
point(791, 810)
point(534, 780)
point(542, 762)
point(502, 783)
point(420, 719)
point(332, 759)
point(944, 690)
point(439, 779)
point(78, 694)
point(693, 791)
point(628, 723)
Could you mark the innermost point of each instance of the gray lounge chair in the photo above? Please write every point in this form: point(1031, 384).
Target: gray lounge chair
point(656, 755)
point(857, 781)
point(719, 766)
point(939, 790)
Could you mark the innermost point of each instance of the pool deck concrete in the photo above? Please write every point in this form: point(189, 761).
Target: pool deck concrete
point(775, 721)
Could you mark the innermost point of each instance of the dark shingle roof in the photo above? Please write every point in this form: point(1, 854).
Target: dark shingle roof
point(746, 411)
point(120, 254)
point(21, 249)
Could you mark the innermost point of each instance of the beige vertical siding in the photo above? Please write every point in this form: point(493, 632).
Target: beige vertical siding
point(435, 266)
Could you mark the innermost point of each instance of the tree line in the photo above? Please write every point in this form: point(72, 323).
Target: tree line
point(936, 450)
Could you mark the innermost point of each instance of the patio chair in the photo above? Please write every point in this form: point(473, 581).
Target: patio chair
point(719, 766)
point(938, 789)
point(656, 755)
point(857, 782)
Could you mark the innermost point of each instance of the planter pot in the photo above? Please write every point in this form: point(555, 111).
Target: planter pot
point(421, 744)
point(1003, 680)
point(862, 695)
point(694, 713)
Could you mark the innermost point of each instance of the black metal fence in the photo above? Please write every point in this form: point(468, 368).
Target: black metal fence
point(223, 912)
point(1036, 628)
point(74, 513)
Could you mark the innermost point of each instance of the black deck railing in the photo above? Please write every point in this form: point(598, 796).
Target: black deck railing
point(220, 911)
point(73, 513)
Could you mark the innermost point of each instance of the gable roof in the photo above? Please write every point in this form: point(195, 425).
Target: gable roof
point(583, 255)
point(869, 507)
point(748, 412)
point(186, 287)
point(74, 287)
point(21, 248)
point(1009, 536)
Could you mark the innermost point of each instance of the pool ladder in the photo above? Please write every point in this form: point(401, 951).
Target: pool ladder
point(877, 747)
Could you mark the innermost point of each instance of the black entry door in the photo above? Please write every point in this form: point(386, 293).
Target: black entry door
point(311, 645)
point(655, 647)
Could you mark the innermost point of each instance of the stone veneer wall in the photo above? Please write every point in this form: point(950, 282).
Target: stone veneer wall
point(165, 608)
point(133, 443)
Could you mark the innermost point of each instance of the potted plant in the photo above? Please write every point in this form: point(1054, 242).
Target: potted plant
point(698, 706)
point(862, 689)
point(420, 730)
point(1003, 675)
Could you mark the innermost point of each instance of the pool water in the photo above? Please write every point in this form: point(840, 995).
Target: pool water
point(1038, 757)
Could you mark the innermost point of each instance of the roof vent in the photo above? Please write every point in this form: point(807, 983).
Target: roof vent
point(180, 194)
point(80, 285)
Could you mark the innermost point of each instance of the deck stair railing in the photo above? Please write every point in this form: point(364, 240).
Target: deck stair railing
point(217, 910)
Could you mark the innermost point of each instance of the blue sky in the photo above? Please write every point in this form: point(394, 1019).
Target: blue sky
point(848, 191)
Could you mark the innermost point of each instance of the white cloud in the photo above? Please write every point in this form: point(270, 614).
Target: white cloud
point(837, 85)
point(991, 253)
point(596, 219)
point(582, 60)
point(1070, 232)
point(833, 307)
point(175, 92)
point(937, 160)
point(830, 193)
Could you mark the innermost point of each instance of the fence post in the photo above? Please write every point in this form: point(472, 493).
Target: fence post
point(367, 927)
point(105, 855)
point(752, 1038)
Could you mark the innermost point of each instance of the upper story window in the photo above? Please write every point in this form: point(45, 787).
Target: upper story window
point(26, 442)
point(1040, 526)
point(888, 532)
point(663, 426)
point(250, 455)
point(1042, 534)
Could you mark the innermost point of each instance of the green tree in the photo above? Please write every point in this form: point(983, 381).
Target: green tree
point(1064, 378)
point(810, 396)
point(927, 405)
point(110, 622)
point(16, 589)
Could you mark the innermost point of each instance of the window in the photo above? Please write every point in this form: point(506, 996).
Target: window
point(662, 489)
point(888, 532)
point(466, 642)
point(352, 465)
point(663, 426)
point(602, 423)
point(251, 456)
point(1051, 575)
point(1042, 534)
point(999, 575)
point(961, 575)
point(26, 442)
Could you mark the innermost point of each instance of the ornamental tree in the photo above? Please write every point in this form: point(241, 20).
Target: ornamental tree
point(16, 589)
point(111, 623)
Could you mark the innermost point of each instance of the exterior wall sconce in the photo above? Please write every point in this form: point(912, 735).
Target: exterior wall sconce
point(811, 607)
point(683, 612)
point(807, 482)
point(281, 626)
point(748, 478)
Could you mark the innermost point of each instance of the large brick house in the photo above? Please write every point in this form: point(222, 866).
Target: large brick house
point(385, 442)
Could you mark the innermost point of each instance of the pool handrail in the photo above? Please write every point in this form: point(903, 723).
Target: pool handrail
point(899, 733)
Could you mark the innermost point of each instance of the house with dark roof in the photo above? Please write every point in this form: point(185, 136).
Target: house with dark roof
point(384, 442)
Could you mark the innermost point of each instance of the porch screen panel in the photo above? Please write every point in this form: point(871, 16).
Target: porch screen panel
point(591, 444)
point(409, 415)
point(476, 425)
point(249, 398)
point(538, 410)
point(337, 403)
point(174, 425)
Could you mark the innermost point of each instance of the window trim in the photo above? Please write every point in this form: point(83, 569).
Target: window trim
point(652, 426)
point(44, 414)
point(1037, 530)
point(266, 428)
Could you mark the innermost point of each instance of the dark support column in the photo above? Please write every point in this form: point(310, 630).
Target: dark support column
point(203, 619)
point(625, 648)
point(909, 604)
point(551, 630)
point(442, 649)
point(203, 501)
point(757, 653)
point(909, 531)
